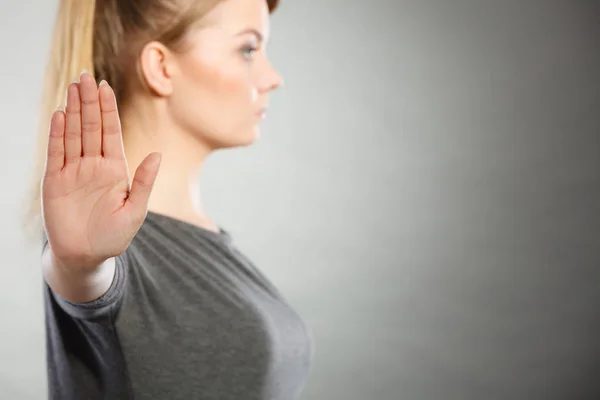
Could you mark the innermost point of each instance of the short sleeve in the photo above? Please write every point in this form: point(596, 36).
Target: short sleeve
point(107, 305)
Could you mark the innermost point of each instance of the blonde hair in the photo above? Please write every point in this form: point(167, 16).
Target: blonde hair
point(105, 38)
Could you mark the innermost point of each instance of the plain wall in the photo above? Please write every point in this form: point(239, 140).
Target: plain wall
point(425, 192)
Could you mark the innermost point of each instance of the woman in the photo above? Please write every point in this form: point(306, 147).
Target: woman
point(146, 297)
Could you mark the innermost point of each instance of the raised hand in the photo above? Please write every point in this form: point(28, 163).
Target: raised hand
point(89, 211)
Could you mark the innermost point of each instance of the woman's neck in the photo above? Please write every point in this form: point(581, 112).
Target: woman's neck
point(176, 191)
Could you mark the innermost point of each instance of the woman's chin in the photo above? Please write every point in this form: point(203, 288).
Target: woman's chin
point(243, 139)
point(251, 137)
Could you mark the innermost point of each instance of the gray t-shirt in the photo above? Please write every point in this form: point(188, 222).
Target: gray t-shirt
point(187, 317)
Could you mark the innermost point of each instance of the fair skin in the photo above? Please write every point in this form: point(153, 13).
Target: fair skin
point(210, 96)
point(207, 98)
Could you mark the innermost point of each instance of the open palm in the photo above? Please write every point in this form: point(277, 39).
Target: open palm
point(90, 212)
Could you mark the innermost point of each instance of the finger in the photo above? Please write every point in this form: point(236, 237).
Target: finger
point(143, 181)
point(91, 122)
point(112, 141)
point(73, 125)
point(56, 145)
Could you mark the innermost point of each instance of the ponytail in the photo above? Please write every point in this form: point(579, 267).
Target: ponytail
point(71, 51)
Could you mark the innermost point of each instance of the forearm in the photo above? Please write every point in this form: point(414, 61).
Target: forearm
point(78, 284)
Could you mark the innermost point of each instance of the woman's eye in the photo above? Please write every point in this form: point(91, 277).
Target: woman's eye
point(248, 51)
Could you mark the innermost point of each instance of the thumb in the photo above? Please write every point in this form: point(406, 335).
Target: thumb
point(143, 181)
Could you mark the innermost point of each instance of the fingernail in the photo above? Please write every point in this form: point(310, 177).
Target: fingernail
point(84, 71)
point(60, 108)
point(103, 83)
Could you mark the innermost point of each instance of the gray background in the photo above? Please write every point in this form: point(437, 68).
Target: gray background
point(426, 193)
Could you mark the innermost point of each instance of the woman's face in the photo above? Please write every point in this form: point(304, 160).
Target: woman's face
point(221, 82)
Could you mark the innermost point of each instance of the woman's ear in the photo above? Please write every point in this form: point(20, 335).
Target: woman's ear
point(155, 69)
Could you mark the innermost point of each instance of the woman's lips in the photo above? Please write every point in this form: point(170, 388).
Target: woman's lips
point(262, 113)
